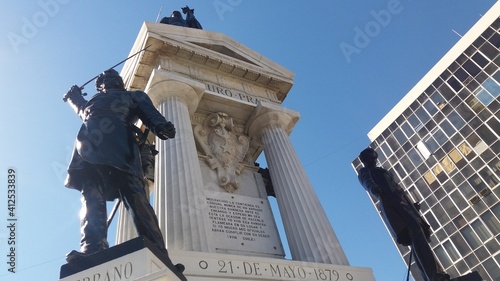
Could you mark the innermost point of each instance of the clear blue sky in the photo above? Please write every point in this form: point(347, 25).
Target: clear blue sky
point(345, 83)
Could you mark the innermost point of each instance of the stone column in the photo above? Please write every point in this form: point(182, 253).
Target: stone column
point(179, 199)
point(308, 230)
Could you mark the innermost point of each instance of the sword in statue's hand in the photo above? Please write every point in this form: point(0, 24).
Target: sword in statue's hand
point(65, 98)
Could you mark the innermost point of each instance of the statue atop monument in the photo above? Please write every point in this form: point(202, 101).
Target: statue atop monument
point(176, 19)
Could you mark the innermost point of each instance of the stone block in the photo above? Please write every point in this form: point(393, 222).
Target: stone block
point(136, 259)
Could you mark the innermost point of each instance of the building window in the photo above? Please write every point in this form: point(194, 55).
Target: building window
point(454, 84)
point(443, 258)
point(447, 165)
point(431, 143)
point(471, 237)
point(457, 158)
point(430, 107)
point(492, 268)
point(471, 68)
point(422, 115)
point(486, 134)
point(407, 129)
point(447, 128)
point(451, 250)
point(400, 137)
point(489, 177)
point(466, 150)
point(460, 244)
point(474, 103)
point(424, 151)
point(483, 96)
point(487, 91)
point(481, 230)
point(431, 180)
point(494, 125)
point(459, 200)
point(464, 111)
point(438, 171)
point(415, 157)
point(490, 51)
point(491, 221)
point(477, 183)
point(477, 144)
point(480, 59)
point(456, 120)
point(386, 149)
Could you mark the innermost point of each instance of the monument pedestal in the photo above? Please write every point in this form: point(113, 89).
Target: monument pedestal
point(211, 267)
point(137, 259)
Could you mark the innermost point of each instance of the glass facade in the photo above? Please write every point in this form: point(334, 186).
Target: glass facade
point(444, 150)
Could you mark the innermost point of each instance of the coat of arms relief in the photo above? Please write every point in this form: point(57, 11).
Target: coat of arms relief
point(225, 148)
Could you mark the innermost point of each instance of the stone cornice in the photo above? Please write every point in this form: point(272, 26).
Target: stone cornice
point(208, 50)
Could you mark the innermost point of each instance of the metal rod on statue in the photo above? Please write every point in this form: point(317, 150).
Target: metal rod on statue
point(84, 84)
point(113, 212)
point(95, 77)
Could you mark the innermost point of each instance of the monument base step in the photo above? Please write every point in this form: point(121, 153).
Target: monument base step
point(230, 267)
point(136, 259)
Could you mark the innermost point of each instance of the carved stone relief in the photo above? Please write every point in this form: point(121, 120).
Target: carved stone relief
point(224, 148)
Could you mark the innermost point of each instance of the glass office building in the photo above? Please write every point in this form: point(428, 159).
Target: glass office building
point(441, 141)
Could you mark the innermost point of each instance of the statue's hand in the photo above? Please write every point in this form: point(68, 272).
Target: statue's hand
point(74, 91)
point(166, 131)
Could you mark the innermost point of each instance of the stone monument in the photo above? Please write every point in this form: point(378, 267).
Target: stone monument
point(210, 199)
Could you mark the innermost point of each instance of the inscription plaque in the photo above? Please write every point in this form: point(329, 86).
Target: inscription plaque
point(243, 223)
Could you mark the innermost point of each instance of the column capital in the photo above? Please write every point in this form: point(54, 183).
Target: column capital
point(163, 85)
point(267, 114)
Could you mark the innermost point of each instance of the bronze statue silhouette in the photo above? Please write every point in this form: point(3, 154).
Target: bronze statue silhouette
point(400, 214)
point(190, 18)
point(106, 160)
point(176, 19)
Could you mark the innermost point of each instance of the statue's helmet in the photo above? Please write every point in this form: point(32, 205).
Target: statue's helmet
point(109, 79)
point(368, 156)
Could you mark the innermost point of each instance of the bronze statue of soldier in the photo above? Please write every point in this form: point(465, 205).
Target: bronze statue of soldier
point(400, 214)
point(106, 163)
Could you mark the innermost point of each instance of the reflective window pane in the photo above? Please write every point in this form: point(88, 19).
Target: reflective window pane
point(470, 237)
point(481, 230)
point(456, 120)
point(431, 108)
point(414, 157)
point(450, 249)
point(443, 258)
point(490, 178)
point(492, 87)
point(491, 222)
point(484, 96)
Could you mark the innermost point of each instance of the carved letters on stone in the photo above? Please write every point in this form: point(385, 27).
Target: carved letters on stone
point(224, 147)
